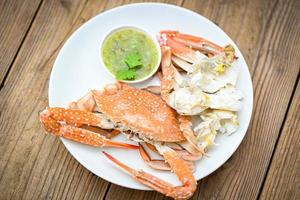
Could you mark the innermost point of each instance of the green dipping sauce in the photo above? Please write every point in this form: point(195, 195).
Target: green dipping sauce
point(123, 42)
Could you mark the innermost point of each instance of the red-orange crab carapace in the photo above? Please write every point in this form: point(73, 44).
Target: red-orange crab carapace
point(138, 114)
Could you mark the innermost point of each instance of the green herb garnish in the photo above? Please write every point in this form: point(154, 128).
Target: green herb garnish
point(126, 74)
point(133, 62)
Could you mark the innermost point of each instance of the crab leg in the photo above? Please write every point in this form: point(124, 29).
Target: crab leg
point(51, 119)
point(154, 163)
point(162, 164)
point(188, 156)
point(154, 89)
point(179, 166)
point(191, 149)
point(86, 103)
point(143, 177)
point(159, 75)
point(168, 72)
point(195, 42)
point(181, 63)
point(186, 128)
point(106, 133)
point(181, 51)
point(150, 146)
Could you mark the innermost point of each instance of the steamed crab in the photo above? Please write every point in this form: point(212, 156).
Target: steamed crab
point(199, 78)
point(141, 116)
point(209, 78)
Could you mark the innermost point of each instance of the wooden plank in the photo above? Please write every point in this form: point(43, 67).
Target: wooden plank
point(272, 31)
point(261, 36)
point(283, 178)
point(34, 165)
point(15, 19)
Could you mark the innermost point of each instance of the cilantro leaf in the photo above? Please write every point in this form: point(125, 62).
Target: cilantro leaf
point(133, 60)
point(126, 74)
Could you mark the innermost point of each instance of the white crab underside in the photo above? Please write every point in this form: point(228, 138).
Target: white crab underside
point(208, 90)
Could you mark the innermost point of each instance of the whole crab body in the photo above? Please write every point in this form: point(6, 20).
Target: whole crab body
point(138, 114)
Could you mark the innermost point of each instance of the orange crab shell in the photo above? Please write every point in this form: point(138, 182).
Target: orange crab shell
point(140, 111)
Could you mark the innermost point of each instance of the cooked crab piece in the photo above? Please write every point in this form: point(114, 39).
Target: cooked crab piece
point(188, 98)
point(160, 164)
point(191, 49)
point(228, 98)
point(153, 163)
point(191, 149)
point(194, 42)
point(181, 51)
point(205, 77)
point(192, 102)
point(154, 89)
point(177, 164)
point(137, 114)
point(169, 73)
point(212, 74)
point(221, 121)
point(106, 133)
point(170, 81)
point(215, 122)
point(187, 101)
point(58, 120)
point(181, 63)
point(143, 104)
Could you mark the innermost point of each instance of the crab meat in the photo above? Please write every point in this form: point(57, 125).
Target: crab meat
point(215, 122)
point(212, 74)
point(209, 83)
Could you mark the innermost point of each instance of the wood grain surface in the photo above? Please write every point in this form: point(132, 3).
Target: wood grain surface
point(283, 178)
point(34, 165)
point(15, 20)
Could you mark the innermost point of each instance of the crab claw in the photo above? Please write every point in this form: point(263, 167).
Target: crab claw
point(51, 124)
point(179, 166)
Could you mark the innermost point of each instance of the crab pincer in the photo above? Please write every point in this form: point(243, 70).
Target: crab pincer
point(64, 122)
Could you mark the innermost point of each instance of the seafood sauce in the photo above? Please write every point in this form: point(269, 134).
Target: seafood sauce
point(123, 43)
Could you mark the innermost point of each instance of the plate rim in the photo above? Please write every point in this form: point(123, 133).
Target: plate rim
point(251, 96)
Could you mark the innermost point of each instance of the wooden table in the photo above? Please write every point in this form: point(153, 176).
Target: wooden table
point(34, 165)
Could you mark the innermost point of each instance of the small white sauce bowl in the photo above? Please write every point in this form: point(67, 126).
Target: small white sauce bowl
point(143, 31)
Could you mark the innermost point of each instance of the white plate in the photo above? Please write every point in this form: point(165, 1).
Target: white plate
point(77, 70)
